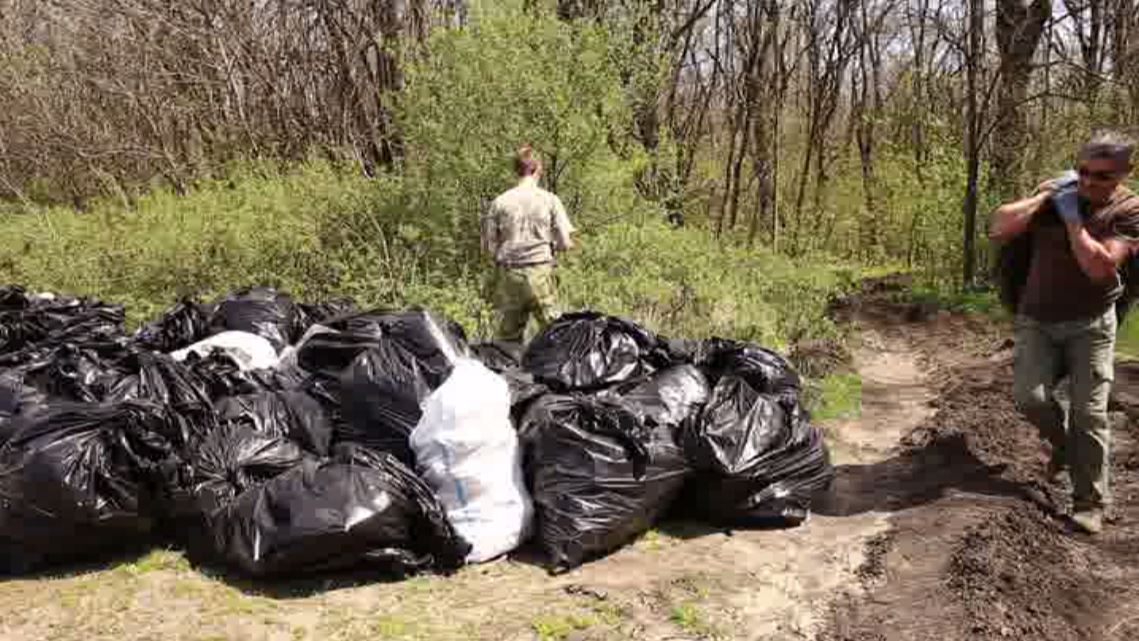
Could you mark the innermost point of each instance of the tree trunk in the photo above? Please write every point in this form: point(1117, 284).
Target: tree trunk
point(1018, 32)
point(975, 53)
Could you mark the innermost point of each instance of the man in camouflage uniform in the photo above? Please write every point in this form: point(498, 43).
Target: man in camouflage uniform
point(522, 229)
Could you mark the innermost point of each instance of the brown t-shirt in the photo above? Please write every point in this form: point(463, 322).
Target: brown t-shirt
point(1057, 289)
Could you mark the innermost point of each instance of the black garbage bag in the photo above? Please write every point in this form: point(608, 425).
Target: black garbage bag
point(16, 399)
point(600, 475)
point(586, 350)
point(181, 326)
point(758, 457)
point(222, 376)
point(47, 321)
point(673, 397)
point(319, 313)
point(405, 357)
point(159, 378)
point(236, 457)
point(73, 481)
point(380, 396)
point(763, 369)
point(259, 310)
point(433, 342)
point(498, 356)
point(295, 414)
point(357, 510)
point(73, 373)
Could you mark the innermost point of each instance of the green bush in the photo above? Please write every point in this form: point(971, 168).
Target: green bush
point(320, 230)
point(683, 283)
point(307, 231)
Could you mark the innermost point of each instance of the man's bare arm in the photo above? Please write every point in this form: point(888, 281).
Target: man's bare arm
point(1011, 219)
point(1098, 260)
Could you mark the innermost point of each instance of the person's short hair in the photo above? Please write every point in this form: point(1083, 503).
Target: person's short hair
point(1109, 145)
point(526, 162)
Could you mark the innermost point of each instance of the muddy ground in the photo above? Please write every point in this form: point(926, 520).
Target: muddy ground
point(939, 526)
point(978, 545)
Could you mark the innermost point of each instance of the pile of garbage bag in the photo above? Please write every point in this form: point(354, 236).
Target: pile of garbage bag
point(278, 438)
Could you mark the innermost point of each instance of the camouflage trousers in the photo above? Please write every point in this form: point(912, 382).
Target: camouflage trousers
point(522, 292)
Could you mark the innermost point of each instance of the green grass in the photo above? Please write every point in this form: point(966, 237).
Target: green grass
point(556, 627)
point(972, 301)
point(1127, 342)
point(689, 617)
point(838, 396)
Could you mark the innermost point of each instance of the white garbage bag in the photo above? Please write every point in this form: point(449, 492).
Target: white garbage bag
point(250, 351)
point(467, 450)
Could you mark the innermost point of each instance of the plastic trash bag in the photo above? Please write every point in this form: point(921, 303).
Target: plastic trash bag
point(235, 458)
point(72, 481)
point(467, 450)
point(16, 399)
point(249, 351)
point(260, 310)
point(361, 509)
point(586, 350)
point(380, 396)
point(72, 373)
point(498, 356)
point(600, 475)
point(674, 396)
point(41, 321)
point(182, 325)
point(317, 313)
point(161, 379)
point(382, 391)
point(288, 357)
point(504, 359)
point(763, 369)
point(223, 377)
point(759, 459)
point(293, 414)
point(434, 342)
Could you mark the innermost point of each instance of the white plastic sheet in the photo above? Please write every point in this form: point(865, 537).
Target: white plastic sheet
point(250, 351)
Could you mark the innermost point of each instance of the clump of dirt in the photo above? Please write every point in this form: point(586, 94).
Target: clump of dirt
point(978, 546)
point(1020, 576)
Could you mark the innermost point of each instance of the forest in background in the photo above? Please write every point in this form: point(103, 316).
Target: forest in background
point(150, 149)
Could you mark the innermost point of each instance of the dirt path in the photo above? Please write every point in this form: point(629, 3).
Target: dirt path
point(978, 547)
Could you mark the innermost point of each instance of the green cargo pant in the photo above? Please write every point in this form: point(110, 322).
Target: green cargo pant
point(1076, 426)
point(520, 292)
